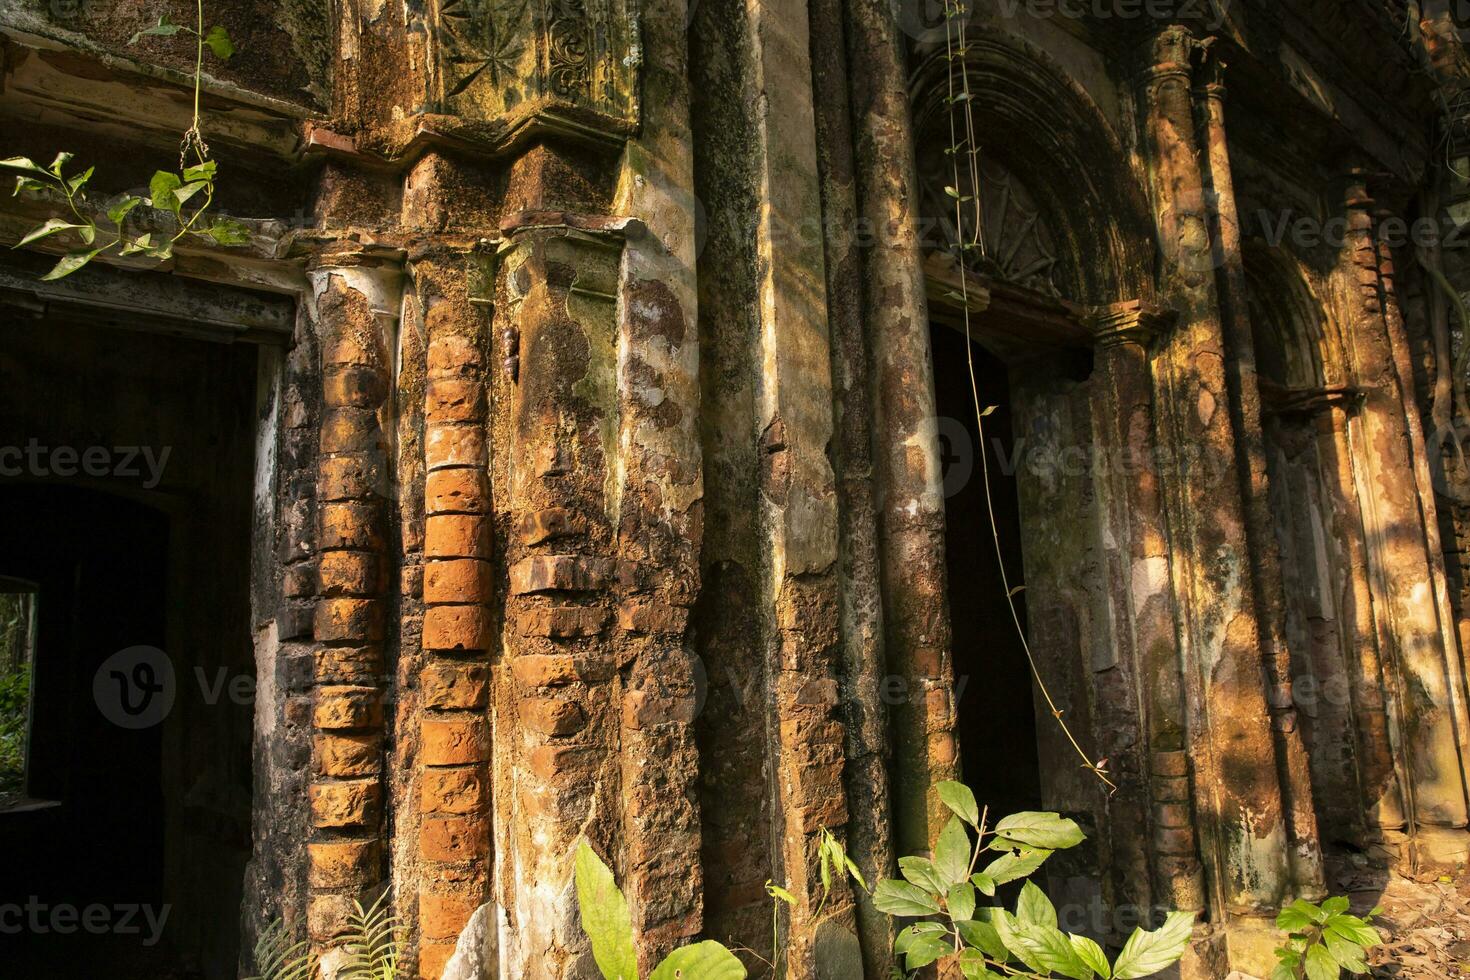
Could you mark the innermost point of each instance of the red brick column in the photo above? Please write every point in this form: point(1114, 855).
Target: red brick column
point(454, 682)
point(356, 303)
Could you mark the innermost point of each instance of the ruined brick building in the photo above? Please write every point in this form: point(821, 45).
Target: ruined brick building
point(584, 444)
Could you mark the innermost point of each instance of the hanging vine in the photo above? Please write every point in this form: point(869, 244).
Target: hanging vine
point(186, 195)
point(964, 150)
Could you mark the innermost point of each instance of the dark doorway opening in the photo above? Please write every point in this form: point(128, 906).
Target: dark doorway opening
point(127, 473)
point(996, 716)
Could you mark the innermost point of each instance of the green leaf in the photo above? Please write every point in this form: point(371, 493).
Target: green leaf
point(702, 961)
point(201, 171)
point(29, 184)
point(952, 853)
point(1321, 965)
point(1296, 916)
point(70, 263)
point(76, 183)
point(925, 949)
point(1034, 908)
point(920, 871)
point(120, 209)
point(140, 244)
point(1354, 930)
point(776, 891)
point(1349, 955)
point(605, 919)
point(189, 190)
point(972, 966)
point(164, 28)
point(901, 898)
point(1336, 905)
point(961, 801)
point(1284, 971)
point(1051, 948)
point(961, 901)
point(1092, 955)
point(51, 227)
point(228, 231)
point(1014, 865)
point(1048, 830)
point(982, 936)
point(62, 159)
point(22, 163)
point(1010, 931)
point(219, 42)
point(162, 187)
point(852, 869)
point(984, 882)
point(1146, 953)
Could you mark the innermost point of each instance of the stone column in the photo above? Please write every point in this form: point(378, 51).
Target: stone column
point(906, 432)
point(1144, 615)
point(1261, 543)
point(454, 675)
point(356, 296)
point(1426, 674)
point(1246, 839)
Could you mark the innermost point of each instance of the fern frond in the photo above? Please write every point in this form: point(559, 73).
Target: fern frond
point(278, 958)
point(373, 939)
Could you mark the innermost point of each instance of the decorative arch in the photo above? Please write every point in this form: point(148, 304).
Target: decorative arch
point(1075, 213)
point(1289, 326)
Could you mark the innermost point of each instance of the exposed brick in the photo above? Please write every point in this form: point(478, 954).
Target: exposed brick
point(457, 536)
point(443, 916)
point(562, 622)
point(645, 709)
point(342, 863)
point(456, 491)
point(354, 385)
point(348, 620)
point(344, 804)
point(349, 573)
point(559, 573)
point(646, 616)
point(348, 755)
point(452, 839)
point(553, 522)
point(351, 477)
point(457, 628)
point(551, 716)
point(348, 664)
point(452, 400)
point(454, 741)
point(339, 708)
point(329, 916)
point(453, 790)
point(351, 430)
point(350, 526)
point(549, 761)
point(454, 355)
point(461, 580)
point(454, 445)
point(455, 685)
point(433, 958)
point(298, 581)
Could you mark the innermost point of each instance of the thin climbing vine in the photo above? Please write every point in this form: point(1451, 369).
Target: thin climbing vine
point(966, 148)
point(185, 197)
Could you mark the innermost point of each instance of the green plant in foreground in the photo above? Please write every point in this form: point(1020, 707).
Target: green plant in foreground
point(605, 919)
point(990, 941)
point(278, 958)
point(1323, 940)
point(374, 937)
point(186, 195)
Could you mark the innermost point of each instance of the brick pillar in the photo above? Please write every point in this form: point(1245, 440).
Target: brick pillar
point(1263, 548)
point(1425, 674)
point(1247, 832)
point(356, 304)
point(1144, 617)
point(910, 474)
point(454, 680)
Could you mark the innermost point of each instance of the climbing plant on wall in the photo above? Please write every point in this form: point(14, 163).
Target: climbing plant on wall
point(183, 199)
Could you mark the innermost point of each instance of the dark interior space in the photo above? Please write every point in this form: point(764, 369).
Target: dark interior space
point(126, 476)
point(997, 722)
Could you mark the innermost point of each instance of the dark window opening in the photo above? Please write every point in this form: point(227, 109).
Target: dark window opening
point(996, 717)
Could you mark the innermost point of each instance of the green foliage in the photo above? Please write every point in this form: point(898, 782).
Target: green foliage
point(373, 940)
point(605, 919)
point(1323, 940)
point(15, 696)
point(989, 942)
point(183, 199)
point(278, 958)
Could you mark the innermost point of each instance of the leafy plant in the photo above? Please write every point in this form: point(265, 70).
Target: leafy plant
point(186, 195)
point(605, 919)
point(278, 958)
point(15, 695)
point(990, 942)
point(373, 940)
point(1323, 940)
